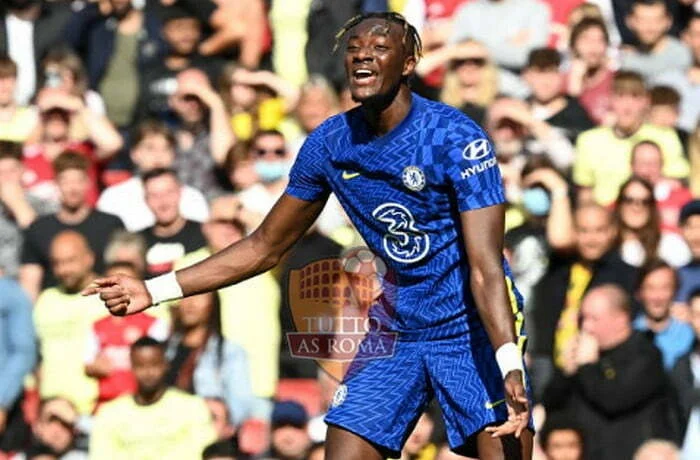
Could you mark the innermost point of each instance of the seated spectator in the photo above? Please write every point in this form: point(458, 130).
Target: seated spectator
point(17, 359)
point(590, 76)
point(16, 121)
point(640, 238)
point(128, 248)
point(202, 362)
point(107, 352)
point(658, 283)
point(18, 208)
point(318, 101)
point(74, 214)
point(202, 131)
point(562, 439)
point(547, 103)
point(510, 29)
point(257, 329)
point(656, 449)
point(155, 422)
point(557, 297)
point(664, 110)
point(153, 147)
point(63, 320)
point(686, 382)
point(602, 160)
point(172, 236)
point(687, 81)
point(671, 195)
point(689, 275)
point(565, 15)
point(290, 440)
point(54, 432)
point(656, 51)
point(612, 381)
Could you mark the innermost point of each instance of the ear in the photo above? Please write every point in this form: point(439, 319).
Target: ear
point(409, 65)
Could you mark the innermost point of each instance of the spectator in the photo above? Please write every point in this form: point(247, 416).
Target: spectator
point(127, 248)
point(257, 329)
point(658, 283)
point(54, 432)
point(16, 121)
point(172, 236)
point(689, 275)
point(153, 147)
point(686, 381)
point(664, 110)
point(419, 445)
point(562, 439)
point(655, 449)
point(290, 440)
point(557, 297)
point(107, 351)
point(590, 76)
point(510, 29)
point(670, 194)
point(123, 427)
point(640, 238)
point(203, 131)
point(612, 381)
point(74, 214)
point(603, 153)
point(548, 104)
point(655, 50)
point(18, 209)
point(318, 101)
point(63, 319)
point(116, 42)
point(17, 359)
point(222, 450)
point(687, 81)
point(202, 362)
point(35, 26)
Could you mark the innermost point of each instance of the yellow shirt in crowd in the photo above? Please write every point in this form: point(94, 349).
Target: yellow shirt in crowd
point(177, 427)
point(603, 159)
point(63, 322)
point(20, 127)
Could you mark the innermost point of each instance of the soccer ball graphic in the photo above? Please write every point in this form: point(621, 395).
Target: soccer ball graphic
point(365, 272)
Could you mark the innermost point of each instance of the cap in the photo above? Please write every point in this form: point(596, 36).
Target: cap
point(690, 209)
point(289, 413)
point(60, 409)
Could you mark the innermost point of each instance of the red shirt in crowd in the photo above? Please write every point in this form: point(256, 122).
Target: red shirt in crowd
point(595, 98)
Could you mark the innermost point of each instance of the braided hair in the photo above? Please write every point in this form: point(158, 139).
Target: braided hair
point(411, 39)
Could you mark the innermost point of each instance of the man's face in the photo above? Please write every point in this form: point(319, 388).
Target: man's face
point(7, 90)
point(54, 432)
point(647, 163)
point(663, 115)
point(153, 152)
point(71, 265)
point(314, 107)
point(182, 35)
point(629, 109)
point(149, 367)
point(55, 125)
point(290, 441)
point(376, 59)
point(10, 171)
point(195, 310)
point(691, 233)
point(544, 83)
point(594, 233)
point(656, 293)
point(601, 320)
point(591, 47)
point(163, 198)
point(564, 445)
point(121, 8)
point(692, 38)
point(649, 23)
point(73, 186)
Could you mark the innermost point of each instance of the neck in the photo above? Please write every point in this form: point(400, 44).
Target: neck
point(169, 229)
point(384, 113)
point(276, 186)
point(7, 111)
point(73, 215)
point(627, 131)
point(195, 336)
point(177, 62)
point(87, 279)
point(553, 105)
point(149, 397)
point(658, 325)
point(653, 47)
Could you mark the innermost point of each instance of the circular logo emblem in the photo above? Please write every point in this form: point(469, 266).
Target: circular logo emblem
point(413, 178)
point(339, 396)
point(476, 150)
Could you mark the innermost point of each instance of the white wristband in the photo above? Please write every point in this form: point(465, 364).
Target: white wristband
point(509, 358)
point(163, 288)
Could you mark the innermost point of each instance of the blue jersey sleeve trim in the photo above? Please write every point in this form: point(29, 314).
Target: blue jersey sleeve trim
point(306, 194)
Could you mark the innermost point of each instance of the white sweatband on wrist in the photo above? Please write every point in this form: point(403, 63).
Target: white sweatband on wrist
point(163, 288)
point(509, 358)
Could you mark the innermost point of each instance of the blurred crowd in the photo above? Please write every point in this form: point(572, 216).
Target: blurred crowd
point(141, 136)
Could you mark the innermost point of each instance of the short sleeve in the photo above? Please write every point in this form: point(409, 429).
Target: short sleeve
point(307, 180)
point(472, 170)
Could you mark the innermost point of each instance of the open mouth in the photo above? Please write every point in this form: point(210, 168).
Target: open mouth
point(363, 76)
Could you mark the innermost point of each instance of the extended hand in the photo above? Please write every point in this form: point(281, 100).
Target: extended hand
point(122, 295)
point(518, 407)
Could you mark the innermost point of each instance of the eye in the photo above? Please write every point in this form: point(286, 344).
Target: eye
point(353, 48)
point(381, 47)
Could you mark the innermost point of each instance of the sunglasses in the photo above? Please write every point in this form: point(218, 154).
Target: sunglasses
point(261, 152)
point(637, 201)
point(476, 61)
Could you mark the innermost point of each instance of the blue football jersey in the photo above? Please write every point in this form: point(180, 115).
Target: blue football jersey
point(404, 192)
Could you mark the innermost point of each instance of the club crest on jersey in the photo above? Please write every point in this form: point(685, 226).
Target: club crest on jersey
point(413, 178)
point(476, 150)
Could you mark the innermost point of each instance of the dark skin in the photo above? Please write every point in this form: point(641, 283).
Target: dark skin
point(377, 46)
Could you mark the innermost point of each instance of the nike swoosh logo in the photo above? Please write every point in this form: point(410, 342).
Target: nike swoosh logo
point(349, 175)
point(491, 405)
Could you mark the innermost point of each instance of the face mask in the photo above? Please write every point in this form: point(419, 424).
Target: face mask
point(271, 171)
point(536, 201)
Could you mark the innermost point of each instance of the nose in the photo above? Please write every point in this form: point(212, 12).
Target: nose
point(362, 54)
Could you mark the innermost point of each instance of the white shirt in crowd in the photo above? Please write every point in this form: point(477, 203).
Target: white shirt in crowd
point(20, 47)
